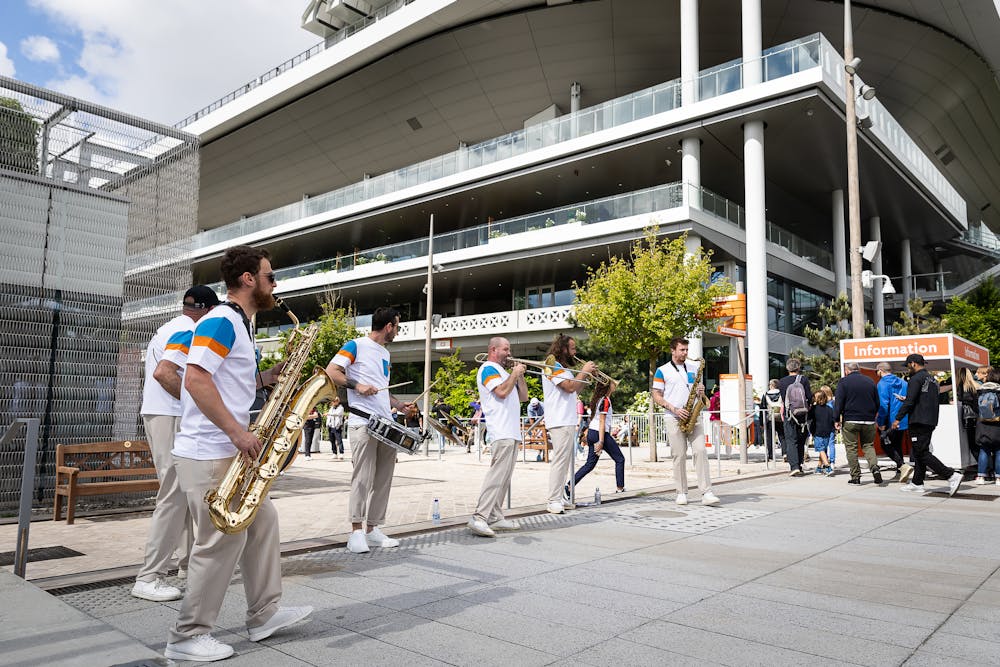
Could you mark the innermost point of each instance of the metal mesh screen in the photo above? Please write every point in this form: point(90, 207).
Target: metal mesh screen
point(96, 209)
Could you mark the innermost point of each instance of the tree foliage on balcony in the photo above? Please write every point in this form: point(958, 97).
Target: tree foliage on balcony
point(977, 317)
point(18, 137)
point(634, 305)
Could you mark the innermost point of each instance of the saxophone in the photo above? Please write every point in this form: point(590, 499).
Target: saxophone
point(693, 405)
point(233, 506)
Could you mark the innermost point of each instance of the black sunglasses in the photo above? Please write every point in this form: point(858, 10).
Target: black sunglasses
point(270, 277)
point(199, 306)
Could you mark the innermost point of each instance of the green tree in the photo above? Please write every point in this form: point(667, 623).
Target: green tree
point(824, 367)
point(336, 327)
point(18, 137)
point(919, 320)
point(455, 383)
point(634, 305)
point(977, 317)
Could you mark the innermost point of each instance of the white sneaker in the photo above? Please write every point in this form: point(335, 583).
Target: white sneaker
point(200, 648)
point(556, 508)
point(182, 573)
point(905, 473)
point(954, 482)
point(980, 481)
point(309, 458)
point(710, 499)
point(505, 524)
point(682, 499)
point(911, 487)
point(282, 618)
point(376, 538)
point(356, 543)
point(479, 527)
point(157, 591)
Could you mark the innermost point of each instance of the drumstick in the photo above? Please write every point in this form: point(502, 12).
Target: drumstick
point(421, 394)
point(398, 384)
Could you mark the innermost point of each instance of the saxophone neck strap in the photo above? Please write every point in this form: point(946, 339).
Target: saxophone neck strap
point(683, 372)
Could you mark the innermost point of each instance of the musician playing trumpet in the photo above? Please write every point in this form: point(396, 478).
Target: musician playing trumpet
point(560, 388)
point(362, 365)
point(675, 385)
point(500, 395)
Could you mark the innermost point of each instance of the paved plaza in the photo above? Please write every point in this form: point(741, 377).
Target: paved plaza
point(787, 571)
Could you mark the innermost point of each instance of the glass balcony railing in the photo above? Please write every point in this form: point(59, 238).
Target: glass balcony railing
point(982, 236)
point(337, 38)
point(736, 214)
point(650, 200)
point(777, 62)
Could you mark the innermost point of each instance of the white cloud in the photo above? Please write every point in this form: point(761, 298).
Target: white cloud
point(6, 64)
point(40, 49)
point(165, 60)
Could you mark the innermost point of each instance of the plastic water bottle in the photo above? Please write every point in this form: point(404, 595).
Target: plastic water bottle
point(436, 512)
point(597, 496)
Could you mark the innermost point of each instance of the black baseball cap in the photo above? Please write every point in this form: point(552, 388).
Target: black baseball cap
point(916, 359)
point(203, 296)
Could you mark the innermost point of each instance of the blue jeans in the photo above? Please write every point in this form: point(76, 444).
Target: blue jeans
point(613, 450)
point(988, 460)
point(826, 444)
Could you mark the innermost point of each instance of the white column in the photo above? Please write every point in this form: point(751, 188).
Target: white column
point(696, 346)
point(839, 244)
point(691, 171)
point(751, 46)
point(689, 51)
point(756, 252)
point(878, 301)
point(904, 251)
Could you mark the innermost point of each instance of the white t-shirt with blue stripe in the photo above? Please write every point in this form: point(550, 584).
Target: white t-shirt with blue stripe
point(221, 345)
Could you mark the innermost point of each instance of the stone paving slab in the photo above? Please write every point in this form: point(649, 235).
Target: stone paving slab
point(764, 584)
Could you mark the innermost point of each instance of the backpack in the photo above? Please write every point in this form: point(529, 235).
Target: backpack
point(989, 405)
point(796, 400)
point(774, 404)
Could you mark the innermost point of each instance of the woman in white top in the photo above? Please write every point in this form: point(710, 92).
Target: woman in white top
point(599, 438)
point(335, 424)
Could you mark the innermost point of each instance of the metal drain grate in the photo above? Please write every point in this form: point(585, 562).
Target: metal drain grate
point(42, 553)
point(694, 519)
point(963, 496)
point(92, 586)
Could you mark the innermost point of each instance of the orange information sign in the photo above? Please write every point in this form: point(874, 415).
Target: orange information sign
point(732, 310)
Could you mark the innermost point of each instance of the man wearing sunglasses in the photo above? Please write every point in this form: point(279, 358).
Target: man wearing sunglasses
point(220, 382)
point(170, 528)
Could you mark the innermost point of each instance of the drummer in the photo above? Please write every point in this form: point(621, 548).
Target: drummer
point(362, 365)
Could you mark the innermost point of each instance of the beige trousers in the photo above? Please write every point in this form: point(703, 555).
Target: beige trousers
point(215, 554)
point(171, 527)
point(563, 441)
point(371, 480)
point(497, 481)
point(678, 452)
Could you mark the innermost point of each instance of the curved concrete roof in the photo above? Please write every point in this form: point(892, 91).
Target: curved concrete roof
point(476, 69)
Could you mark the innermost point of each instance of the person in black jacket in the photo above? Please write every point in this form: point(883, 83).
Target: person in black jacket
point(855, 407)
point(796, 431)
point(921, 405)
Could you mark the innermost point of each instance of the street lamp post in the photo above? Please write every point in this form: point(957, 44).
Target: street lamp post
point(429, 288)
point(853, 186)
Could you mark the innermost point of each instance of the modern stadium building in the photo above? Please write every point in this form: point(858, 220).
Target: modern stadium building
point(545, 135)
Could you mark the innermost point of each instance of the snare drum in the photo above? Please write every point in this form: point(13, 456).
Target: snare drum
point(398, 437)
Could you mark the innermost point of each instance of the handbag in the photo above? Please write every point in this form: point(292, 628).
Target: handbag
point(969, 416)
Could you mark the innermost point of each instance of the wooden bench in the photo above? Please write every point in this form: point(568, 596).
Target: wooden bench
point(535, 436)
point(101, 468)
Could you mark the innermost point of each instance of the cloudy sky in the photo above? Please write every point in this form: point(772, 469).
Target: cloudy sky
point(159, 59)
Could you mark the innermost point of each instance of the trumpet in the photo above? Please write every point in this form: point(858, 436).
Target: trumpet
point(546, 368)
point(600, 377)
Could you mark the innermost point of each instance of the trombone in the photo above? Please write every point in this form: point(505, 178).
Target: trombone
point(546, 368)
point(600, 377)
